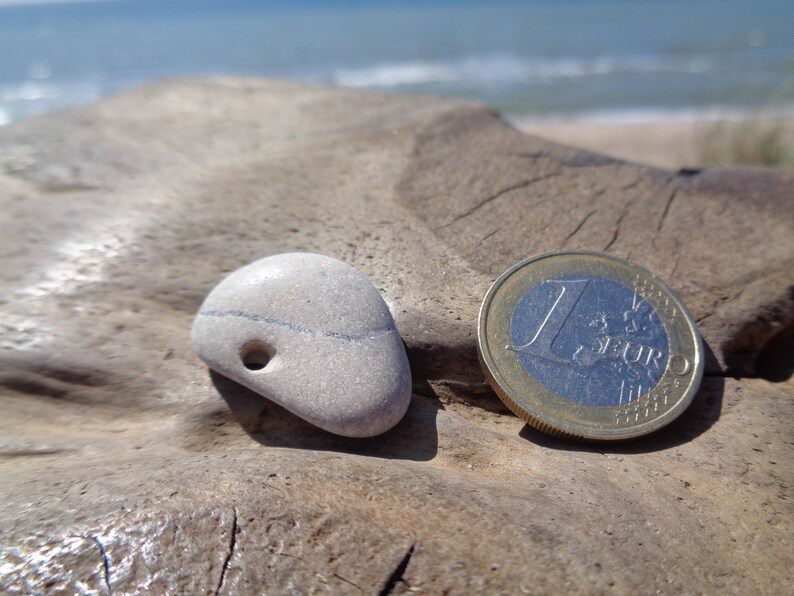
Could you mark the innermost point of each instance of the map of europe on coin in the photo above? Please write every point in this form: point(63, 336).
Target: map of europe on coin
point(584, 344)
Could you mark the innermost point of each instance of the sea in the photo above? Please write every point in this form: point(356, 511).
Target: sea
point(540, 59)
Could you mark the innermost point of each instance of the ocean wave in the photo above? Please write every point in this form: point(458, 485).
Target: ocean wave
point(392, 75)
point(512, 69)
point(713, 113)
point(28, 91)
point(31, 97)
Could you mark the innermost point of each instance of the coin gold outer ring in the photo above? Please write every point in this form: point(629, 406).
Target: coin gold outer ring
point(551, 413)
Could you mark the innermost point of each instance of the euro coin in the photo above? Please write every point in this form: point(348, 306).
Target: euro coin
point(586, 345)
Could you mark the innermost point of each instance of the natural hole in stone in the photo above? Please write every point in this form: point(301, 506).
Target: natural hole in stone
point(256, 356)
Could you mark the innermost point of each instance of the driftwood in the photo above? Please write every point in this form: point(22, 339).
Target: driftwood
point(128, 467)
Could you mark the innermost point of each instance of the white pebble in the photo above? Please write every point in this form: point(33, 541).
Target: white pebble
point(312, 334)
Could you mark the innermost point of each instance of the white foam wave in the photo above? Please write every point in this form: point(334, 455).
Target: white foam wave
point(28, 91)
point(393, 75)
point(511, 69)
point(30, 97)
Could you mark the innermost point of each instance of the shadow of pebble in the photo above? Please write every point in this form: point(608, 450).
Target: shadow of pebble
point(414, 438)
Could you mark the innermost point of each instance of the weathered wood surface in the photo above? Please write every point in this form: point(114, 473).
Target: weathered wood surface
point(127, 467)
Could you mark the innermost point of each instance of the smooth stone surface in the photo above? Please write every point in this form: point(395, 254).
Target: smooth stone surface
point(119, 218)
point(312, 334)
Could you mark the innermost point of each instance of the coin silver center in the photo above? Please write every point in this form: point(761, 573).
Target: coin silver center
point(589, 339)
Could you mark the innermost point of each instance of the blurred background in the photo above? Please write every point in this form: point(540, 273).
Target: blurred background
point(674, 83)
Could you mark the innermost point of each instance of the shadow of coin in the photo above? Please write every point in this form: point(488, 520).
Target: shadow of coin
point(701, 415)
point(415, 437)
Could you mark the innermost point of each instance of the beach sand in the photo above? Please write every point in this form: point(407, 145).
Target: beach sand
point(670, 144)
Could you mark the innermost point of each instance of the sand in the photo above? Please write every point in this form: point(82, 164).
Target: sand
point(669, 144)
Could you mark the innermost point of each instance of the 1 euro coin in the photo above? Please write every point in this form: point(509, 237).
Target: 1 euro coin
point(586, 345)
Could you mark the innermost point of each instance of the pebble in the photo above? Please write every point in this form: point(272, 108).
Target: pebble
point(312, 334)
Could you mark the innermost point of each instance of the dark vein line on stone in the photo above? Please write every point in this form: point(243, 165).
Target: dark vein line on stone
point(239, 314)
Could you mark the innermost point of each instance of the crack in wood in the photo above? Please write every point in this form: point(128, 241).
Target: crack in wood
point(105, 560)
point(497, 230)
point(632, 184)
point(496, 195)
point(618, 223)
point(291, 556)
point(396, 576)
point(232, 542)
point(667, 206)
point(579, 227)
